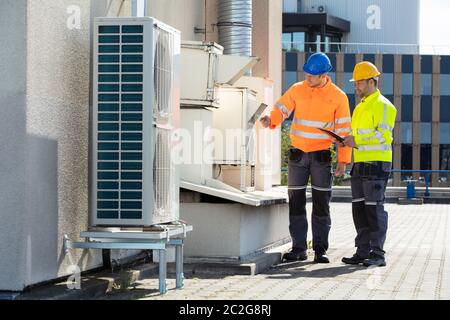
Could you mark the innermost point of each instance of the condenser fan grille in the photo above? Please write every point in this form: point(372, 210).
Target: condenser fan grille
point(162, 173)
point(163, 75)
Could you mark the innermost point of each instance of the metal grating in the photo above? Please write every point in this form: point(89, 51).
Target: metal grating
point(120, 122)
point(163, 73)
point(163, 174)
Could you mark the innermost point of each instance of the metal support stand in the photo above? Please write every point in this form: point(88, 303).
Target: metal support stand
point(170, 235)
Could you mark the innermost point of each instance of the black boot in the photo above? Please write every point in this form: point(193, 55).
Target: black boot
point(321, 258)
point(356, 259)
point(295, 255)
point(374, 260)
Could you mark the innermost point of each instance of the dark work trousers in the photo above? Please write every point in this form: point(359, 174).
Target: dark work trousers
point(369, 180)
point(316, 165)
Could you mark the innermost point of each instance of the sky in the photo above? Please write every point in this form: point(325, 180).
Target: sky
point(435, 26)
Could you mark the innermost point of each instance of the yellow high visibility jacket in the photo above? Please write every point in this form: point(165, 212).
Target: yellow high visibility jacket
point(372, 124)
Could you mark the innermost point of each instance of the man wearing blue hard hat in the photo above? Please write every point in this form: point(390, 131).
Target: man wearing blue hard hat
point(317, 104)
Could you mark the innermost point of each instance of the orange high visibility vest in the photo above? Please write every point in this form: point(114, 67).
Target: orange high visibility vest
point(313, 108)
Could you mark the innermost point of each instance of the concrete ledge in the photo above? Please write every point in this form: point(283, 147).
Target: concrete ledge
point(405, 201)
point(92, 286)
point(248, 267)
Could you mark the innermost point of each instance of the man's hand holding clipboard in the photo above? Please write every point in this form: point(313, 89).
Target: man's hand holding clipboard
point(336, 136)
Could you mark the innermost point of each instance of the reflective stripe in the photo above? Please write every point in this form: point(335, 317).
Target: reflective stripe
point(297, 188)
point(343, 130)
point(380, 147)
point(367, 203)
point(358, 200)
point(365, 131)
point(383, 124)
point(321, 189)
point(314, 124)
point(284, 110)
point(343, 120)
point(385, 127)
point(379, 136)
point(309, 135)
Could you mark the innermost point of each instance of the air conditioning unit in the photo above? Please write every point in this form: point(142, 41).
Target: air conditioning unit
point(234, 137)
point(204, 67)
point(136, 109)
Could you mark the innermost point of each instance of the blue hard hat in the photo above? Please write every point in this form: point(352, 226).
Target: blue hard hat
point(318, 63)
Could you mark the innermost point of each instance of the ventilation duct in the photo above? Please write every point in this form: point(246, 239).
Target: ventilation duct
point(235, 26)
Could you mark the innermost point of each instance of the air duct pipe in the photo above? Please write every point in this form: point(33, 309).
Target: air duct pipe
point(235, 26)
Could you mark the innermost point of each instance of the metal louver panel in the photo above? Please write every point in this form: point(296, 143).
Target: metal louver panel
point(126, 146)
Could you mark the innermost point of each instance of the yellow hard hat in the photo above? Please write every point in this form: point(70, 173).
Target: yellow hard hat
point(365, 70)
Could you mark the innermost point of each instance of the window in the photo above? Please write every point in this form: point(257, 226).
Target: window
point(352, 102)
point(407, 83)
point(425, 157)
point(407, 108)
point(426, 64)
point(407, 63)
point(291, 61)
point(444, 83)
point(425, 84)
point(406, 129)
point(445, 64)
point(290, 77)
point(426, 109)
point(444, 133)
point(388, 63)
point(287, 41)
point(369, 57)
point(406, 157)
point(298, 41)
point(444, 158)
point(332, 76)
point(387, 84)
point(425, 133)
point(349, 62)
point(445, 109)
point(349, 87)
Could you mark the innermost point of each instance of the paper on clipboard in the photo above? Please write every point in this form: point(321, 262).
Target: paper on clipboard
point(256, 115)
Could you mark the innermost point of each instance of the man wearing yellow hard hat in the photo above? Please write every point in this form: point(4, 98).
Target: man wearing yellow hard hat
point(372, 124)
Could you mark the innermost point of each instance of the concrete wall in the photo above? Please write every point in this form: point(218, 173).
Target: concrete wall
point(45, 127)
point(233, 230)
point(13, 28)
point(184, 15)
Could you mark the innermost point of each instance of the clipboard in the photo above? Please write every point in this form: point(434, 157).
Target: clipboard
point(256, 115)
point(334, 135)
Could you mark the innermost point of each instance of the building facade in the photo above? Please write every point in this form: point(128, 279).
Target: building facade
point(352, 26)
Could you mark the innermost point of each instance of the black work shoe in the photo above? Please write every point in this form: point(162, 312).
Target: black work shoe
point(295, 255)
point(374, 260)
point(321, 258)
point(356, 259)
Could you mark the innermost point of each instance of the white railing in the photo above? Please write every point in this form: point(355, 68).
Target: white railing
point(363, 47)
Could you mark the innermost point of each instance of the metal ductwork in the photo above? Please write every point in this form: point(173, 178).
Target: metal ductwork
point(235, 26)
